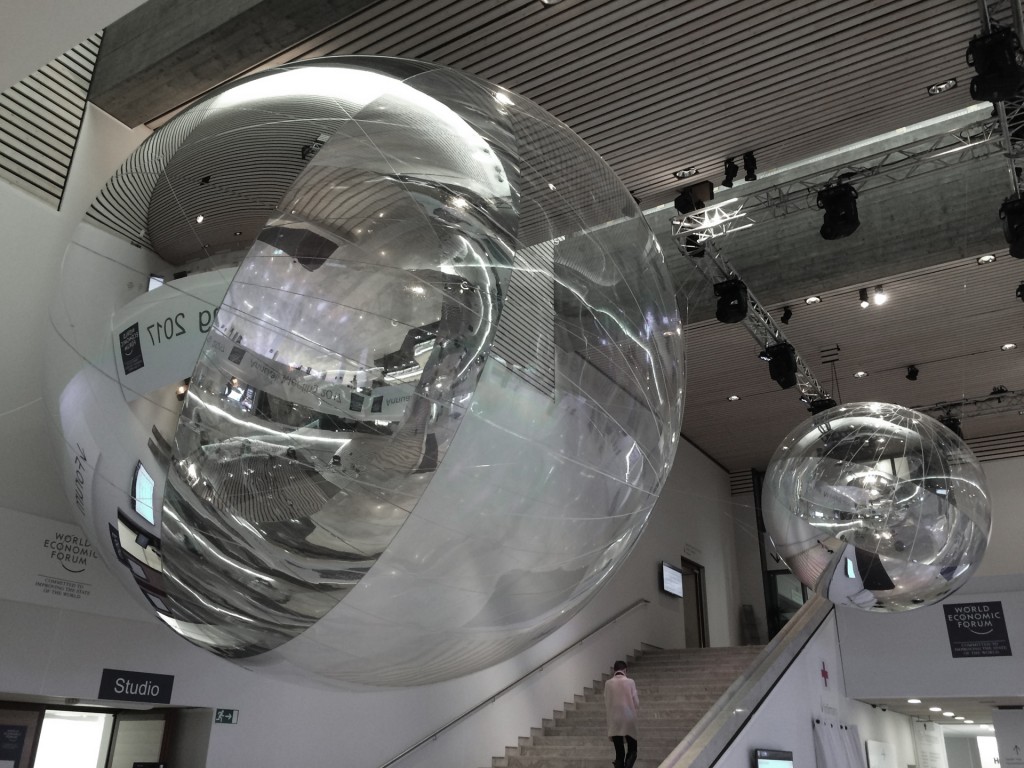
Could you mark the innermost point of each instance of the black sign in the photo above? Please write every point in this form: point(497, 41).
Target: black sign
point(131, 348)
point(122, 685)
point(12, 742)
point(977, 629)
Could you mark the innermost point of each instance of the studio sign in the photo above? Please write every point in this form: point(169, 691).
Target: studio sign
point(123, 685)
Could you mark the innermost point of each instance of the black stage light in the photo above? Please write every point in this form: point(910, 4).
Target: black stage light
point(694, 197)
point(822, 404)
point(731, 169)
point(952, 423)
point(999, 61)
point(839, 201)
point(864, 303)
point(1012, 214)
point(732, 301)
point(782, 367)
point(912, 372)
point(1020, 292)
point(787, 315)
point(750, 166)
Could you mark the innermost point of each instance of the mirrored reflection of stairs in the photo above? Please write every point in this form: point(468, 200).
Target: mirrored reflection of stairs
point(676, 688)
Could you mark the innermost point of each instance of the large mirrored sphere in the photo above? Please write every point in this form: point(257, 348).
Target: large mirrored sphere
point(877, 506)
point(404, 386)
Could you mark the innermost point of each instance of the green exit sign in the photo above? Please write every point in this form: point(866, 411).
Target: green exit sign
point(229, 716)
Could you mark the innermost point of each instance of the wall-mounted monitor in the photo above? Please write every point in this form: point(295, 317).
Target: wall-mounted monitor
point(772, 758)
point(142, 494)
point(671, 580)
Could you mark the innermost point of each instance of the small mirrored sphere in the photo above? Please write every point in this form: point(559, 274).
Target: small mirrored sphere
point(877, 506)
point(365, 369)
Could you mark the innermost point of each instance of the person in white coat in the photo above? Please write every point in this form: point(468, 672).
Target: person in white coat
point(621, 705)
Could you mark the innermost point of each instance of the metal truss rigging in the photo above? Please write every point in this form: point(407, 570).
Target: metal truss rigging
point(758, 321)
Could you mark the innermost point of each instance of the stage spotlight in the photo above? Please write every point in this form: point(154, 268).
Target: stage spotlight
point(787, 315)
point(912, 372)
point(823, 404)
point(749, 166)
point(782, 366)
point(880, 296)
point(765, 355)
point(952, 423)
point(732, 301)
point(694, 197)
point(1012, 214)
point(839, 201)
point(999, 61)
point(731, 169)
point(864, 303)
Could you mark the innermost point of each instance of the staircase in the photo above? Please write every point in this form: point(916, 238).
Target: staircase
point(676, 688)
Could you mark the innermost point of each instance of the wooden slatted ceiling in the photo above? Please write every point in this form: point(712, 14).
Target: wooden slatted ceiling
point(948, 320)
point(655, 86)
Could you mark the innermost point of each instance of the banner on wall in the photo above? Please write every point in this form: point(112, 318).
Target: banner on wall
point(977, 629)
point(12, 744)
point(53, 563)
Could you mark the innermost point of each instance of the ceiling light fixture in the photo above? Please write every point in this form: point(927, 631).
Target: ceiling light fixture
point(732, 301)
point(988, 258)
point(765, 355)
point(199, 219)
point(934, 709)
point(860, 375)
point(821, 404)
point(1008, 346)
point(913, 701)
point(839, 201)
point(733, 398)
point(880, 296)
point(686, 173)
point(749, 166)
point(787, 315)
point(731, 170)
point(947, 714)
point(941, 87)
point(968, 722)
point(912, 372)
point(864, 303)
point(812, 300)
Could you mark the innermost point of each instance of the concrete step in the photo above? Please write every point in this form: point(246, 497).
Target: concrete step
point(534, 761)
point(650, 747)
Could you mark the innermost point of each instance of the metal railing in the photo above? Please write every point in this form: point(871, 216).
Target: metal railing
point(713, 734)
point(494, 697)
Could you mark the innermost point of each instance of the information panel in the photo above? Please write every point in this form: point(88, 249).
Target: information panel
point(977, 629)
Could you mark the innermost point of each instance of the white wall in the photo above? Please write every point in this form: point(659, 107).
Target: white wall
point(784, 719)
point(1003, 555)
point(62, 652)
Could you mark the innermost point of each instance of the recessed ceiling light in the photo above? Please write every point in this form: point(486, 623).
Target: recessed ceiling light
point(941, 87)
point(934, 709)
point(1008, 346)
point(733, 398)
point(880, 296)
point(947, 714)
point(988, 258)
point(199, 219)
point(860, 375)
point(686, 173)
point(812, 300)
point(959, 717)
point(968, 722)
point(913, 701)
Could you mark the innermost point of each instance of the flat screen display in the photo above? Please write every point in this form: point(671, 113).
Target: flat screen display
point(671, 580)
point(142, 496)
point(772, 758)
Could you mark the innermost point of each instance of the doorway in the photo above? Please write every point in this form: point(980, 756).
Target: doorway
point(694, 604)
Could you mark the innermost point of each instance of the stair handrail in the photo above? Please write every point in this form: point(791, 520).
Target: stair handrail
point(716, 730)
point(495, 696)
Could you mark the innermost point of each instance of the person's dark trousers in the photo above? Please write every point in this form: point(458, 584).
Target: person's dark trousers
point(625, 753)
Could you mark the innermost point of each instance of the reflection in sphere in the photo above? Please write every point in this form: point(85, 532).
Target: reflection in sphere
point(877, 506)
point(438, 397)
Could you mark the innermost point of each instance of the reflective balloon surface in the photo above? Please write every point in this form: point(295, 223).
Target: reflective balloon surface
point(436, 402)
point(877, 506)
